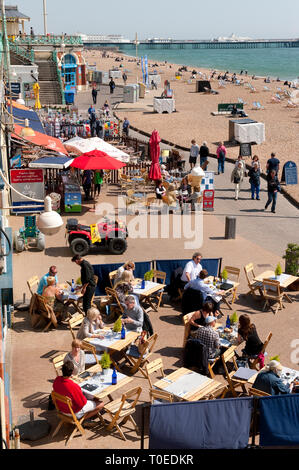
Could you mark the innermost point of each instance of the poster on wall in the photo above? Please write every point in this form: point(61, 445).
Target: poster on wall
point(30, 183)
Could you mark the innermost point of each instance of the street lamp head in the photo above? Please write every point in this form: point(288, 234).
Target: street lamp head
point(49, 222)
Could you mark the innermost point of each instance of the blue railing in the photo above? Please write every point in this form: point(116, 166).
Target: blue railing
point(49, 39)
point(55, 60)
point(22, 51)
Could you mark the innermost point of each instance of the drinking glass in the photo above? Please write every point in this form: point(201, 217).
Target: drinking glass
point(102, 379)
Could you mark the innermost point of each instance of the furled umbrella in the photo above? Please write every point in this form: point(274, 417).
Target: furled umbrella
point(155, 170)
point(96, 160)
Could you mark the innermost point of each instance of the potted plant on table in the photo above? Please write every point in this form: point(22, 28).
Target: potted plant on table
point(278, 271)
point(105, 362)
point(234, 318)
point(224, 275)
point(148, 276)
point(117, 325)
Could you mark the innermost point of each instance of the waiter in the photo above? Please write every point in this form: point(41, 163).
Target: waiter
point(87, 280)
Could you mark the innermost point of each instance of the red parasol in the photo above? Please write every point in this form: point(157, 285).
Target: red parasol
point(96, 160)
point(155, 171)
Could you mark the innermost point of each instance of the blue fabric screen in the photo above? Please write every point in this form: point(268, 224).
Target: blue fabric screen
point(103, 270)
point(21, 114)
point(279, 420)
point(210, 424)
point(212, 265)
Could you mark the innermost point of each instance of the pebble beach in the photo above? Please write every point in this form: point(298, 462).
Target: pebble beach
point(193, 118)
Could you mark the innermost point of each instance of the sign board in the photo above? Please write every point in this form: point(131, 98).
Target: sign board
point(15, 88)
point(28, 91)
point(208, 199)
point(289, 173)
point(245, 150)
point(201, 85)
point(29, 182)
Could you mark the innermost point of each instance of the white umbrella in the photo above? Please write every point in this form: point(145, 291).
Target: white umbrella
point(79, 146)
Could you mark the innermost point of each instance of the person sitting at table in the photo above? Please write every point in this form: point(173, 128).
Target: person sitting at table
point(160, 189)
point(192, 268)
point(207, 293)
point(209, 337)
point(90, 324)
point(53, 295)
point(166, 176)
point(184, 191)
point(133, 315)
point(198, 318)
point(43, 280)
point(247, 332)
point(76, 356)
point(193, 198)
point(81, 406)
point(128, 266)
point(269, 381)
point(124, 286)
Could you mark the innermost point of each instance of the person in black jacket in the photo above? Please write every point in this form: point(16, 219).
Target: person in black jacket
point(254, 180)
point(203, 153)
point(87, 280)
point(273, 188)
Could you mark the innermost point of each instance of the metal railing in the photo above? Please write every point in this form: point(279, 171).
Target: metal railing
point(49, 39)
point(55, 60)
point(22, 51)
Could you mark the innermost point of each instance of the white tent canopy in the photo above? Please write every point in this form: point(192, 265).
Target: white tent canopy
point(79, 146)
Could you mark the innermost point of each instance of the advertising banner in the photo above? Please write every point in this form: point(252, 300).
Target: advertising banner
point(29, 182)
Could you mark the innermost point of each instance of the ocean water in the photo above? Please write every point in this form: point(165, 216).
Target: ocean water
point(275, 62)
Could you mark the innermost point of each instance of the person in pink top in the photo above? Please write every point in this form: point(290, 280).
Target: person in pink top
point(221, 154)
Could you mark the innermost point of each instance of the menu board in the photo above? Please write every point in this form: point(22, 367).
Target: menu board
point(30, 183)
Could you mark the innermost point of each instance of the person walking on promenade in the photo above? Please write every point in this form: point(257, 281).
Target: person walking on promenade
point(87, 280)
point(254, 180)
point(255, 159)
point(112, 86)
point(194, 151)
point(125, 78)
point(273, 188)
point(126, 125)
point(237, 178)
point(94, 94)
point(203, 153)
point(272, 164)
point(221, 155)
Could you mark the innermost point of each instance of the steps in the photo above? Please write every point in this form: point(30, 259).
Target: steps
point(50, 92)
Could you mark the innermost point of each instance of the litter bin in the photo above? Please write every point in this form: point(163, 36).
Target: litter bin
point(69, 97)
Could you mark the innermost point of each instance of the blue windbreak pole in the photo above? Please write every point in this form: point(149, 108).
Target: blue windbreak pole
point(142, 68)
point(146, 69)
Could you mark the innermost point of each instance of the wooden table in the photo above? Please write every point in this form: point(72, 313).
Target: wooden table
point(232, 290)
point(73, 302)
point(117, 346)
point(106, 392)
point(271, 275)
point(208, 387)
point(148, 291)
point(293, 374)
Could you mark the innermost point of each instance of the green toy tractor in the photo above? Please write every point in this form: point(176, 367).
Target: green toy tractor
point(29, 231)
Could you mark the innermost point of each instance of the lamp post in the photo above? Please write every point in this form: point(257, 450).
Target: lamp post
point(62, 66)
point(45, 17)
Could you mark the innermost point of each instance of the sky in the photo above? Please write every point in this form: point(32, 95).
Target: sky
point(177, 19)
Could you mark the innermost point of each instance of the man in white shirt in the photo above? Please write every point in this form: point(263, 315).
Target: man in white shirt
point(192, 268)
point(208, 294)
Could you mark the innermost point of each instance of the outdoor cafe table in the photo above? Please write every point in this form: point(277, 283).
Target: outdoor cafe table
point(285, 280)
point(232, 290)
point(190, 386)
point(228, 339)
point(112, 342)
point(104, 389)
point(72, 298)
point(150, 289)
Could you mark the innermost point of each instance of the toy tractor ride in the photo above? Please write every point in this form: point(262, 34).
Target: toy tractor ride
point(112, 234)
point(29, 231)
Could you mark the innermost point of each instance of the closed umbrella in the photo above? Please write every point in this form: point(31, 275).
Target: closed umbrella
point(155, 170)
point(96, 160)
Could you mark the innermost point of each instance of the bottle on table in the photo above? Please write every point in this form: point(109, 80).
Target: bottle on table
point(73, 286)
point(143, 284)
point(123, 332)
point(227, 322)
point(114, 377)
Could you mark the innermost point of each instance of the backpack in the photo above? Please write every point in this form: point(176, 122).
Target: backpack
point(237, 179)
point(221, 154)
point(147, 325)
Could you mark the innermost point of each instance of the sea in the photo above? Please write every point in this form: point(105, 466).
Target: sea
point(273, 62)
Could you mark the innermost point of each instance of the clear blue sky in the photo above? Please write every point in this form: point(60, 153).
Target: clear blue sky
point(191, 19)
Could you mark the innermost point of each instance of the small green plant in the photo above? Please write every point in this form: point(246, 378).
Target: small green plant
point(117, 325)
point(292, 259)
point(278, 270)
point(224, 274)
point(105, 360)
point(148, 276)
point(234, 318)
point(275, 358)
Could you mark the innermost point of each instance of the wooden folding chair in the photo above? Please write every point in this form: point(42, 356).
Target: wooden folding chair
point(253, 285)
point(232, 383)
point(257, 393)
point(32, 284)
point(233, 273)
point(160, 396)
point(74, 321)
point(121, 410)
point(113, 297)
point(211, 364)
point(92, 358)
point(47, 312)
point(65, 418)
point(187, 327)
point(139, 359)
point(272, 293)
point(157, 275)
point(112, 276)
point(152, 367)
point(253, 361)
point(58, 363)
